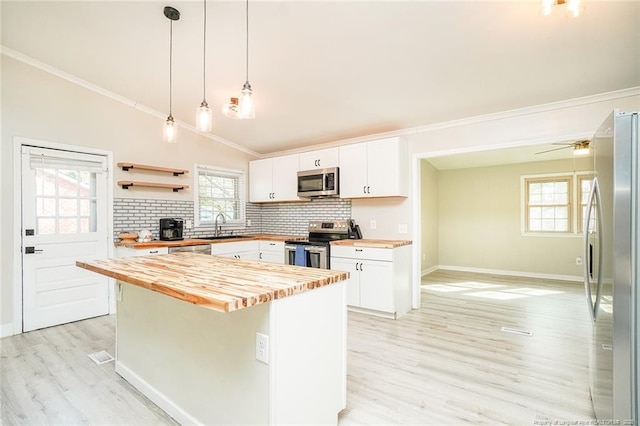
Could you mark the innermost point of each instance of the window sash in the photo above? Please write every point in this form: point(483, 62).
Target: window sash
point(548, 205)
point(219, 191)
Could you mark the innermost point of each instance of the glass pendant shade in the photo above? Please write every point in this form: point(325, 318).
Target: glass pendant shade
point(246, 108)
point(231, 109)
point(204, 117)
point(546, 7)
point(574, 8)
point(170, 131)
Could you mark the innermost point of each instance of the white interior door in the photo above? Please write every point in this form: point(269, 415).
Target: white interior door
point(64, 219)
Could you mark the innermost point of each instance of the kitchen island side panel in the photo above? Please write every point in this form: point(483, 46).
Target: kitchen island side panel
point(196, 364)
point(308, 356)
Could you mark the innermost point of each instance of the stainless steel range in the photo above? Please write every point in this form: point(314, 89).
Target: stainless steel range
point(314, 252)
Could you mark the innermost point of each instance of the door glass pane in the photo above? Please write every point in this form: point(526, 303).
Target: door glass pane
point(65, 201)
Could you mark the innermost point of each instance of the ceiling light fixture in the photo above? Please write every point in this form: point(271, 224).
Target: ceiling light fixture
point(574, 7)
point(170, 127)
point(244, 106)
point(581, 147)
point(204, 117)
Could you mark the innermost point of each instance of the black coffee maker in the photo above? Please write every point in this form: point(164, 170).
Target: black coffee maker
point(171, 229)
point(354, 230)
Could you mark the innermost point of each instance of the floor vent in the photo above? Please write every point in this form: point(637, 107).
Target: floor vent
point(101, 357)
point(517, 331)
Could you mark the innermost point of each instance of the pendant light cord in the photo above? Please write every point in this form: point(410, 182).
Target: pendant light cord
point(247, 52)
point(170, 66)
point(204, 54)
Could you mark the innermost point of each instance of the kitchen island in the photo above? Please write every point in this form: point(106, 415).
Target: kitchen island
point(191, 327)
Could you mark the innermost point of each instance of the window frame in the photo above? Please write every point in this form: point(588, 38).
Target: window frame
point(240, 222)
point(574, 202)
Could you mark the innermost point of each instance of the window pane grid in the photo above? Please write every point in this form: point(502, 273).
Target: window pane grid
point(65, 201)
point(548, 205)
point(220, 192)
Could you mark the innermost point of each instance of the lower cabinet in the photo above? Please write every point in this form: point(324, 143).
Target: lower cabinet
point(380, 279)
point(271, 251)
point(130, 252)
point(245, 250)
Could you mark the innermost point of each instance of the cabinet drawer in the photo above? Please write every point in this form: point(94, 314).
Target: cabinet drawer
point(234, 247)
point(370, 253)
point(131, 252)
point(277, 246)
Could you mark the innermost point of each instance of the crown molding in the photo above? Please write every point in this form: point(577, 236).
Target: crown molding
point(115, 96)
point(484, 118)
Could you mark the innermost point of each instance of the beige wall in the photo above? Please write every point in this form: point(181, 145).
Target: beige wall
point(429, 217)
point(480, 222)
point(38, 105)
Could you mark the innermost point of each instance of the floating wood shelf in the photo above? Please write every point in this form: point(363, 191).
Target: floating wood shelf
point(128, 166)
point(125, 184)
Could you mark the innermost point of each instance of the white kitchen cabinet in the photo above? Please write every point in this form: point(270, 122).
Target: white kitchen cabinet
point(271, 251)
point(274, 179)
point(131, 252)
point(380, 279)
point(320, 159)
point(245, 250)
point(374, 169)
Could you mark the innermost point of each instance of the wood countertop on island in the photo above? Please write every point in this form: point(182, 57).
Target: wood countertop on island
point(217, 283)
point(390, 244)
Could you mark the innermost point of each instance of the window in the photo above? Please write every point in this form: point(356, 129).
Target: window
point(219, 191)
point(548, 204)
point(65, 201)
point(555, 204)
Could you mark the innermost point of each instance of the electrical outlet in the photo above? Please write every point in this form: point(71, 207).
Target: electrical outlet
point(248, 222)
point(578, 260)
point(188, 224)
point(373, 224)
point(403, 228)
point(262, 348)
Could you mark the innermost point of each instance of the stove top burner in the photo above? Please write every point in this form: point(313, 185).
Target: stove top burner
point(322, 232)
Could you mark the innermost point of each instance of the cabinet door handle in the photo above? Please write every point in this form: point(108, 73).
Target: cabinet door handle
point(368, 192)
point(153, 251)
point(260, 257)
point(364, 189)
point(356, 266)
point(358, 249)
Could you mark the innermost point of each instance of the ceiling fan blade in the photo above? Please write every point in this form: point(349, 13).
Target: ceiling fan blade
point(556, 149)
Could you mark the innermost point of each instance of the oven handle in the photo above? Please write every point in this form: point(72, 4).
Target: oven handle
point(315, 249)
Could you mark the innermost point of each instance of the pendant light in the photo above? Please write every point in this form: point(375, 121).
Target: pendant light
point(246, 108)
point(242, 107)
point(170, 126)
point(204, 117)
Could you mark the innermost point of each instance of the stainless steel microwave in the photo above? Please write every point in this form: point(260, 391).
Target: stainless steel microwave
point(319, 183)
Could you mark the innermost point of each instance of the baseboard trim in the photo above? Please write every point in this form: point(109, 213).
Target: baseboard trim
point(429, 270)
point(575, 278)
point(157, 397)
point(6, 330)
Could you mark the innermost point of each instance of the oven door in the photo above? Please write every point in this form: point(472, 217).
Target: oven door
point(317, 257)
point(312, 256)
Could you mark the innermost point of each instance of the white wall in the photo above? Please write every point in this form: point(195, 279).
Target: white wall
point(38, 105)
point(480, 222)
point(429, 217)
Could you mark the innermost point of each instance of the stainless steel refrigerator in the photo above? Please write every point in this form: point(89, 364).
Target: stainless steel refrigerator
point(612, 251)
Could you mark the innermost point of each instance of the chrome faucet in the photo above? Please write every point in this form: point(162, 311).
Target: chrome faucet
point(218, 229)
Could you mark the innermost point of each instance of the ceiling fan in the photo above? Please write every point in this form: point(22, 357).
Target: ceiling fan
point(580, 147)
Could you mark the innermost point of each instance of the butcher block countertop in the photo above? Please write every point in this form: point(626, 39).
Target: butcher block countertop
point(202, 241)
point(372, 243)
point(217, 283)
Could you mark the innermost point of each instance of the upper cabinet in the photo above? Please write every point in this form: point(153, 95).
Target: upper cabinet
point(320, 159)
point(274, 179)
point(374, 169)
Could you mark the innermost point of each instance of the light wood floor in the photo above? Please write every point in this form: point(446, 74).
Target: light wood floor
point(447, 363)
